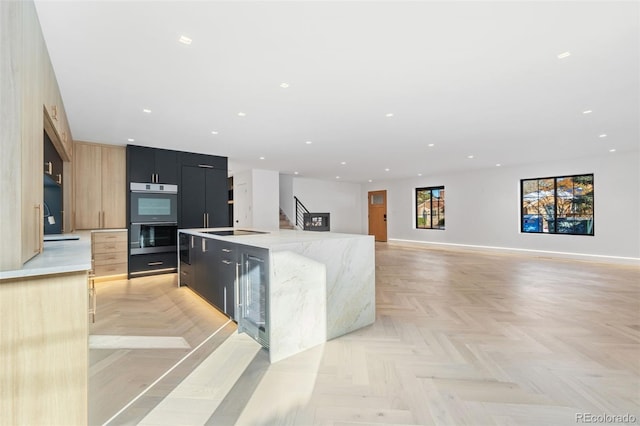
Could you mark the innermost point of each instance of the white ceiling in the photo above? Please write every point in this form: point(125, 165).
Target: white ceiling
point(473, 78)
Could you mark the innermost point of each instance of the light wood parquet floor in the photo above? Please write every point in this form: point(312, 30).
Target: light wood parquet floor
point(463, 338)
point(466, 338)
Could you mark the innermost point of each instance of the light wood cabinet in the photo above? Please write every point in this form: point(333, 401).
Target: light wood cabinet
point(27, 85)
point(44, 350)
point(109, 252)
point(100, 186)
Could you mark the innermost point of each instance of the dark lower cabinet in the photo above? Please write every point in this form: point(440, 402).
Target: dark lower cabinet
point(153, 263)
point(211, 272)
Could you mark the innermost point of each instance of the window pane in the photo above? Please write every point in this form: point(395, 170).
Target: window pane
point(377, 199)
point(561, 205)
point(430, 208)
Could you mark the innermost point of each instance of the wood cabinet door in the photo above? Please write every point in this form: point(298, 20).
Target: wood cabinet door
point(114, 187)
point(88, 188)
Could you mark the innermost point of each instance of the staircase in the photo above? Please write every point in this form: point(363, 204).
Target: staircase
point(285, 223)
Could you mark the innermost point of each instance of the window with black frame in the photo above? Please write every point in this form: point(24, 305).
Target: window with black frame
point(557, 205)
point(430, 207)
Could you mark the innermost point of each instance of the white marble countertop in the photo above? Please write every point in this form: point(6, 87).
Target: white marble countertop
point(57, 257)
point(270, 239)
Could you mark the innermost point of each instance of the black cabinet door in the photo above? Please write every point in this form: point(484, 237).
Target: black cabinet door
point(217, 206)
point(192, 198)
point(203, 160)
point(141, 163)
point(152, 165)
point(166, 166)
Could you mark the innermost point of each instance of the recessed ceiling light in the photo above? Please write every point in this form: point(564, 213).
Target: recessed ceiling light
point(213, 132)
point(604, 135)
point(564, 55)
point(295, 173)
point(185, 40)
point(147, 111)
point(343, 163)
point(419, 174)
point(386, 170)
point(284, 85)
point(431, 145)
point(389, 114)
point(587, 111)
point(498, 165)
point(612, 150)
point(370, 180)
point(337, 177)
point(469, 156)
point(241, 114)
point(131, 140)
point(308, 142)
point(262, 158)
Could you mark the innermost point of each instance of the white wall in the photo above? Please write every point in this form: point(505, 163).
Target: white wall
point(255, 199)
point(342, 200)
point(482, 208)
point(266, 209)
point(286, 197)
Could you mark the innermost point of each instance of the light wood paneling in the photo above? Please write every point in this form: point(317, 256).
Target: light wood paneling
point(44, 350)
point(100, 186)
point(114, 186)
point(10, 134)
point(87, 164)
point(27, 82)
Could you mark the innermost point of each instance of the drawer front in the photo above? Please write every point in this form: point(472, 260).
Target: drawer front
point(110, 247)
point(151, 262)
point(109, 258)
point(110, 269)
point(186, 274)
point(109, 237)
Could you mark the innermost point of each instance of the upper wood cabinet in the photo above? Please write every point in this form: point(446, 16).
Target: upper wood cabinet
point(152, 165)
point(100, 186)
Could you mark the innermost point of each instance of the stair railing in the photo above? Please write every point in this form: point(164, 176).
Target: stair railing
point(300, 211)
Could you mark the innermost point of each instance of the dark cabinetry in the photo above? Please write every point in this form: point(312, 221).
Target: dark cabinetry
point(152, 165)
point(153, 263)
point(211, 271)
point(203, 197)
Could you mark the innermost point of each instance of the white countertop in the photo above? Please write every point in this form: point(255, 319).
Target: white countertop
point(271, 239)
point(58, 257)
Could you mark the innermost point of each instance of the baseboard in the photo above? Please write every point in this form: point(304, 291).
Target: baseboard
point(538, 253)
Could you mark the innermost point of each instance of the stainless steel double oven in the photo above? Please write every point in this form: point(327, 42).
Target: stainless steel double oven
point(154, 218)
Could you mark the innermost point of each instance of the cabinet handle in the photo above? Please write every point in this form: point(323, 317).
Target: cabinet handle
point(48, 167)
point(54, 112)
point(204, 245)
point(236, 283)
point(59, 179)
point(204, 220)
point(40, 228)
point(155, 263)
point(207, 220)
point(206, 166)
point(226, 250)
point(192, 242)
point(226, 262)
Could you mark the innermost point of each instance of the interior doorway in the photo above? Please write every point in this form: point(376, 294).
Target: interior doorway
point(377, 202)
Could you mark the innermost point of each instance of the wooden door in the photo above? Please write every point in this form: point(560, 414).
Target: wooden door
point(87, 163)
point(114, 187)
point(377, 201)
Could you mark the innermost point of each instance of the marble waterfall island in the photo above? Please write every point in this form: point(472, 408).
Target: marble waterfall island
point(316, 286)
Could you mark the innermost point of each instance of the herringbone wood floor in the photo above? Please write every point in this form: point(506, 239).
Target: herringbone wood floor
point(463, 338)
